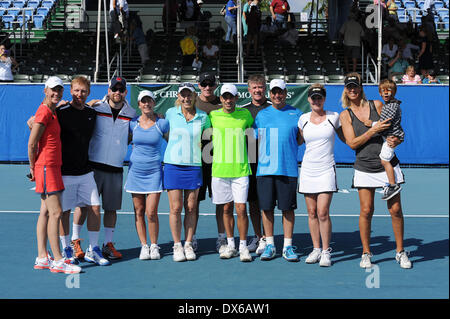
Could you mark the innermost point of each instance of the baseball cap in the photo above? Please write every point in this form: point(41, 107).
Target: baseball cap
point(53, 82)
point(317, 91)
point(207, 77)
point(144, 94)
point(186, 85)
point(199, 2)
point(352, 80)
point(117, 79)
point(277, 83)
point(228, 88)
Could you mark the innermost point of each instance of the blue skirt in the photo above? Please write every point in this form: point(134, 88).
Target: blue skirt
point(182, 177)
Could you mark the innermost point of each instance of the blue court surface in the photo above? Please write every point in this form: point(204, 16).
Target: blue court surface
point(425, 202)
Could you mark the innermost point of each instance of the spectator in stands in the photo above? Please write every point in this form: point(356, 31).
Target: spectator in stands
point(254, 25)
point(245, 11)
point(352, 32)
point(397, 66)
point(138, 36)
point(189, 47)
point(203, 21)
point(189, 10)
point(170, 16)
point(290, 37)
point(392, 10)
point(267, 29)
point(425, 55)
point(230, 19)
point(389, 49)
point(118, 11)
point(210, 51)
point(431, 78)
point(410, 76)
point(280, 13)
point(7, 65)
point(407, 50)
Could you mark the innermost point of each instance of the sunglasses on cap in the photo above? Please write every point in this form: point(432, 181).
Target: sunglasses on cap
point(121, 89)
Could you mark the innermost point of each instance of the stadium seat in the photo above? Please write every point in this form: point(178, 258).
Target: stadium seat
point(18, 3)
point(148, 78)
point(39, 78)
point(83, 75)
point(186, 77)
point(42, 11)
point(403, 19)
point(409, 4)
point(300, 78)
point(317, 78)
point(401, 12)
point(271, 77)
point(2, 11)
point(443, 12)
point(335, 78)
point(21, 19)
point(38, 21)
point(443, 78)
point(47, 3)
point(5, 4)
point(438, 4)
point(33, 3)
point(13, 11)
point(445, 23)
point(8, 20)
point(22, 78)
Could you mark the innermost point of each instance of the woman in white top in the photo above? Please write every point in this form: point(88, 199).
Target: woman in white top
point(318, 173)
point(7, 63)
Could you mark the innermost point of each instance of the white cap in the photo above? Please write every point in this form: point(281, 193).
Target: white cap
point(228, 88)
point(277, 83)
point(144, 94)
point(199, 1)
point(53, 82)
point(186, 85)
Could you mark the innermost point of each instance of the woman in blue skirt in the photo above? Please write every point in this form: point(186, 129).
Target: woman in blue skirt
point(144, 180)
point(182, 167)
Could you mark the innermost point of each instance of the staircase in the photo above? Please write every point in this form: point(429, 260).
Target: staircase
point(67, 15)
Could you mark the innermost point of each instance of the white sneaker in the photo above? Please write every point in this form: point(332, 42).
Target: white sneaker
point(314, 256)
point(261, 246)
point(325, 258)
point(365, 260)
point(189, 252)
point(403, 260)
point(244, 253)
point(64, 266)
point(178, 253)
point(253, 244)
point(154, 252)
point(221, 245)
point(228, 252)
point(145, 253)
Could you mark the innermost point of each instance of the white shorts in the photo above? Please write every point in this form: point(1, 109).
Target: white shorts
point(79, 191)
point(314, 182)
point(226, 190)
point(387, 152)
point(375, 180)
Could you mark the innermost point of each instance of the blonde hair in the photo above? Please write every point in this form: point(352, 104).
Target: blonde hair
point(345, 101)
point(387, 84)
point(409, 68)
point(81, 80)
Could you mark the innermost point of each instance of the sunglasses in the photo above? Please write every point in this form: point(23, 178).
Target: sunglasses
point(120, 89)
point(207, 83)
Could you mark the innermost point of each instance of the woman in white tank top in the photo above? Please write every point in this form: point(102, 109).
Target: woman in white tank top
point(318, 173)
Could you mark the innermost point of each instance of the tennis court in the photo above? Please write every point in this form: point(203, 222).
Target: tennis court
point(426, 208)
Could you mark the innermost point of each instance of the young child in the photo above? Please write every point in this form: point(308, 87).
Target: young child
point(391, 109)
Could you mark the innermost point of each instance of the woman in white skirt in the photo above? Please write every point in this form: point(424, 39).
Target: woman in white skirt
point(318, 173)
point(369, 173)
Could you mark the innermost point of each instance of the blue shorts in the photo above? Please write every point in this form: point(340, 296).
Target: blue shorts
point(280, 191)
point(182, 177)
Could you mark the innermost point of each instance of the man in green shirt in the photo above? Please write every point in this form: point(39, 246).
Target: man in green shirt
point(230, 169)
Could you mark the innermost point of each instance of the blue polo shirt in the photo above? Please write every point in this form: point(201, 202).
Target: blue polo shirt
point(184, 146)
point(277, 132)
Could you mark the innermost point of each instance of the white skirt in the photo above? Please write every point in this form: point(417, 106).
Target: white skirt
point(314, 182)
point(375, 180)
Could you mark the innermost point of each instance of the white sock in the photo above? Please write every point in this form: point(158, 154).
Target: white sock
point(93, 239)
point(287, 242)
point(76, 229)
point(177, 244)
point(187, 243)
point(230, 242)
point(65, 241)
point(242, 244)
point(109, 233)
point(270, 241)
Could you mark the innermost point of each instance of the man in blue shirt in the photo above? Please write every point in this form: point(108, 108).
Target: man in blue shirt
point(276, 128)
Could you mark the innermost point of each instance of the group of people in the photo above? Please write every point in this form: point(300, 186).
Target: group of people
point(76, 153)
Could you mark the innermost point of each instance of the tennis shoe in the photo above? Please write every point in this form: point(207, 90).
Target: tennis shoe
point(178, 253)
point(314, 256)
point(269, 252)
point(194, 244)
point(145, 253)
point(110, 252)
point(64, 266)
point(289, 254)
point(403, 260)
point(42, 263)
point(77, 250)
point(221, 245)
point(189, 252)
point(154, 252)
point(325, 258)
point(253, 244)
point(365, 260)
point(390, 191)
point(244, 254)
point(228, 252)
point(68, 254)
point(94, 255)
point(261, 246)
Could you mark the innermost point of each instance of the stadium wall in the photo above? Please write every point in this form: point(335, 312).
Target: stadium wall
point(425, 111)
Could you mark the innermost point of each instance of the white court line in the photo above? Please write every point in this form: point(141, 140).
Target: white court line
point(276, 214)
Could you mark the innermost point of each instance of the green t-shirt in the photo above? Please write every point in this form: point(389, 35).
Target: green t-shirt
point(230, 149)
